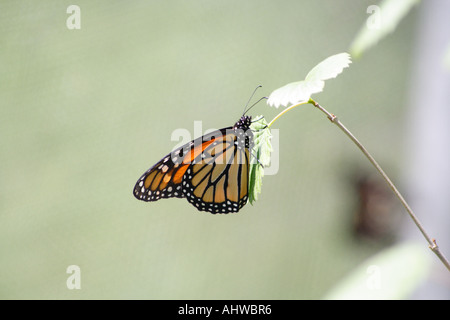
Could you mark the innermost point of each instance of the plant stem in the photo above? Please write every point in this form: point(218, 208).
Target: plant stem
point(432, 242)
point(284, 111)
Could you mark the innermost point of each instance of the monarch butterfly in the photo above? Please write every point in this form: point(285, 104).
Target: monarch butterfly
point(211, 172)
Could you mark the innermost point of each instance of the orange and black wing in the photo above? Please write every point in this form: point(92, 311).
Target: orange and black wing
point(165, 178)
point(218, 180)
point(211, 172)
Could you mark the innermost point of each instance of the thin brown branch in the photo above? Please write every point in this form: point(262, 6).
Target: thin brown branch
point(431, 242)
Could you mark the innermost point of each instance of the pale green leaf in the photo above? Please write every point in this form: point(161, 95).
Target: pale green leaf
point(382, 20)
point(393, 273)
point(301, 91)
point(260, 155)
point(329, 68)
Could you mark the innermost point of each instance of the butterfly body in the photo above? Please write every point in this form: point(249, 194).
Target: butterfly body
point(211, 172)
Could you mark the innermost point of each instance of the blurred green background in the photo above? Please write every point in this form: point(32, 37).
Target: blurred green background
point(85, 112)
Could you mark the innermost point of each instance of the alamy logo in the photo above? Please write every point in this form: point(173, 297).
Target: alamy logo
point(374, 20)
point(74, 280)
point(183, 136)
point(73, 22)
point(373, 281)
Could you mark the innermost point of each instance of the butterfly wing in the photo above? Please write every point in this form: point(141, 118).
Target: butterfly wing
point(211, 172)
point(165, 178)
point(217, 180)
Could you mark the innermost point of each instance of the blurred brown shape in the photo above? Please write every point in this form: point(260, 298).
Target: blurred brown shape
point(376, 215)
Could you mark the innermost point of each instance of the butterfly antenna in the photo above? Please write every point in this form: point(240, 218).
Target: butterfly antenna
point(246, 105)
point(255, 104)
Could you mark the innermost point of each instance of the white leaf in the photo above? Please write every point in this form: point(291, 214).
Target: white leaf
point(301, 91)
point(330, 67)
